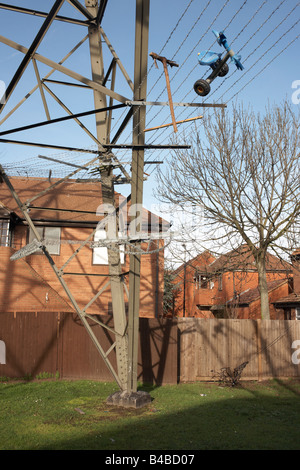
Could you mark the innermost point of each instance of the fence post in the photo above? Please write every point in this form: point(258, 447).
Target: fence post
point(259, 357)
point(60, 319)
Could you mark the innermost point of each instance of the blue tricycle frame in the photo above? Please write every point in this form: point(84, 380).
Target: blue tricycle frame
point(218, 64)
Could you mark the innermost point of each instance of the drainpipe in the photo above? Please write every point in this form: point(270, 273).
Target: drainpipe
point(184, 278)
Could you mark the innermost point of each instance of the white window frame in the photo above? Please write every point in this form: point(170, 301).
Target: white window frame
point(5, 232)
point(50, 233)
point(100, 254)
point(297, 313)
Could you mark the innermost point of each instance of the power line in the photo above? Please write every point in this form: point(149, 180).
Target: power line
point(267, 65)
point(250, 37)
point(265, 52)
point(220, 11)
point(263, 42)
point(187, 35)
point(167, 41)
point(158, 134)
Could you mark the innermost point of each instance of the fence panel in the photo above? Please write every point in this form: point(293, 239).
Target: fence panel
point(277, 338)
point(31, 343)
point(208, 345)
point(186, 350)
point(58, 342)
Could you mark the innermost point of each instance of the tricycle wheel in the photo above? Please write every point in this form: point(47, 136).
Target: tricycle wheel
point(224, 71)
point(201, 87)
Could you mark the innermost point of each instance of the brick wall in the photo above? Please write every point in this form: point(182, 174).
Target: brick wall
point(84, 288)
point(23, 289)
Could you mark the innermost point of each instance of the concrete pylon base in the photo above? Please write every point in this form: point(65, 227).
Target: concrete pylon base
point(129, 399)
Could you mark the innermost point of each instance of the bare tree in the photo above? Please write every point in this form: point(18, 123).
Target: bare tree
point(244, 174)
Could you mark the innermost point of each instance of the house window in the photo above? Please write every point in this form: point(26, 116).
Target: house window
point(297, 313)
point(51, 235)
point(220, 282)
point(201, 281)
point(100, 255)
point(4, 232)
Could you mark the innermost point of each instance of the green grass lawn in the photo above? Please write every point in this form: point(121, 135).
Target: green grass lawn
point(59, 414)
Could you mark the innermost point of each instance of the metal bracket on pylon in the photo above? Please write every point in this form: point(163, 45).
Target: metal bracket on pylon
point(165, 63)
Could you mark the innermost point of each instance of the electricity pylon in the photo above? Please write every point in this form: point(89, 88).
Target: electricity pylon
point(104, 161)
point(126, 331)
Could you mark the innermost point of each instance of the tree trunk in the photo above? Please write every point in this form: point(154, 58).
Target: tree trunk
point(263, 289)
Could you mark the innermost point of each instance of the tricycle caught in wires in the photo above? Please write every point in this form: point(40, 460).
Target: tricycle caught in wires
point(218, 64)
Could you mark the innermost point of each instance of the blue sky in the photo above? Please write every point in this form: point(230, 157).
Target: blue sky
point(265, 33)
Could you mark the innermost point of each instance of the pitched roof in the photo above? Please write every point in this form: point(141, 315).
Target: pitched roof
point(241, 259)
point(250, 295)
point(72, 200)
point(200, 262)
point(290, 300)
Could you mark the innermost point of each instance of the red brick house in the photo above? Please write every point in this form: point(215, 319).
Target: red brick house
point(227, 286)
point(68, 213)
point(290, 304)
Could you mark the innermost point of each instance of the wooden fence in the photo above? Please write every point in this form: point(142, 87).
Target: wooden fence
point(54, 342)
point(170, 351)
point(269, 346)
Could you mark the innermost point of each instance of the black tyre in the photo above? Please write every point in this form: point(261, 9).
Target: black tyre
point(201, 87)
point(224, 71)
